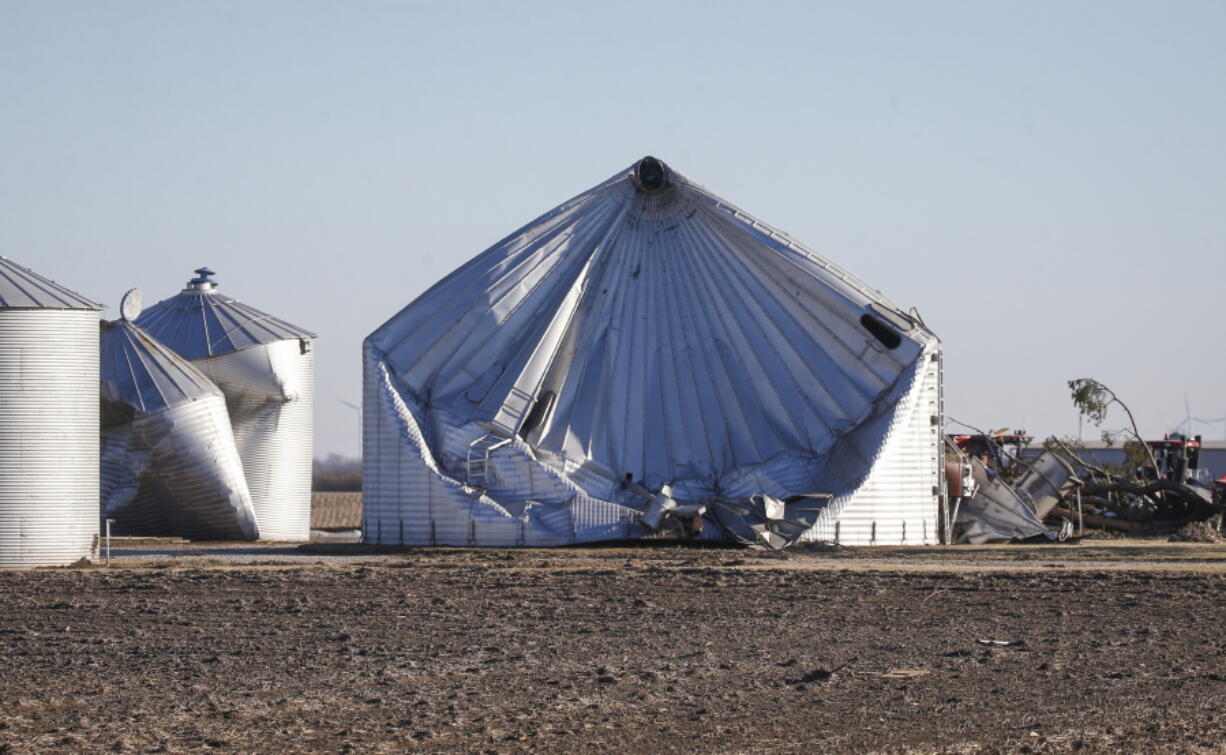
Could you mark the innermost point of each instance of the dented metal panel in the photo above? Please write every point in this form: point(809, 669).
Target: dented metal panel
point(265, 368)
point(269, 392)
point(646, 332)
point(170, 466)
point(48, 424)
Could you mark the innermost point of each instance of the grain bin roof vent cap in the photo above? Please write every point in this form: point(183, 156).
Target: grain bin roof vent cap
point(651, 175)
point(203, 283)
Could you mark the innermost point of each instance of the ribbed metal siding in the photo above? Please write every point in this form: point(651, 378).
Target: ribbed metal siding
point(49, 420)
point(899, 501)
point(177, 473)
point(269, 392)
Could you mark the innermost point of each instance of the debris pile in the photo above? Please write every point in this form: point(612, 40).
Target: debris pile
point(996, 494)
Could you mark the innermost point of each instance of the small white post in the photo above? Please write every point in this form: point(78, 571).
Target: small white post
point(108, 541)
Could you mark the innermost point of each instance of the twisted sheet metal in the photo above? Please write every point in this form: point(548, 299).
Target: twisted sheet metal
point(265, 367)
point(656, 332)
point(269, 392)
point(48, 435)
point(170, 466)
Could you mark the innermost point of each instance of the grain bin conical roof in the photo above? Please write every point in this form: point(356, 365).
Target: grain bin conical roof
point(22, 288)
point(143, 375)
point(199, 322)
point(648, 327)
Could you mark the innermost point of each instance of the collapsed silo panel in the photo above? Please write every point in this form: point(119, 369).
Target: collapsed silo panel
point(899, 503)
point(648, 353)
point(170, 466)
point(265, 368)
point(177, 473)
point(48, 422)
point(269, 391)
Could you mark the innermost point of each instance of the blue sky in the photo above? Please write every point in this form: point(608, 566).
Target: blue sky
point(1044, 181)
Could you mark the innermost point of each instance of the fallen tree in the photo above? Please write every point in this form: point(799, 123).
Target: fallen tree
point(1146, 494)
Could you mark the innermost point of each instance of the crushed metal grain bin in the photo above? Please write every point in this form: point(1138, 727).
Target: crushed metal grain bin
point(648, 358)
point(265, 367)
point(170, 466)
point(48, 421)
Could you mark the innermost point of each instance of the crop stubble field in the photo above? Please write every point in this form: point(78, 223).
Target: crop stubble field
point(665, 648)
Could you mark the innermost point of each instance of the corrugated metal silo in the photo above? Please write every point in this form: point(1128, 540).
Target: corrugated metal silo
point(646, 358)
point(266, 369)
point(170, 466)
point(48, 421)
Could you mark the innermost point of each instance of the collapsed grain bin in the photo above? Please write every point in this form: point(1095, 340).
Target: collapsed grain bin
point(649, 358)
point(265, 367)
point(170, 466)
point(48, 421)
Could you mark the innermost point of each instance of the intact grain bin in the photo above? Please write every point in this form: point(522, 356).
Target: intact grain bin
point(48, 421)
point(170, 466)
point(265, 368)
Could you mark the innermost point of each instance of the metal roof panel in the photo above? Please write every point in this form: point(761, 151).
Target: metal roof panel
point(22, 288)
point(199, 322)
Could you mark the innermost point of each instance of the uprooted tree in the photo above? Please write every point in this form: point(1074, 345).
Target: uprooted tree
point(1093, 399)
point(1148, 493)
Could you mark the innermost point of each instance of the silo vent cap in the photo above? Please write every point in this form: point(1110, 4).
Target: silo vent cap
point(202, 281)
point(651, 174)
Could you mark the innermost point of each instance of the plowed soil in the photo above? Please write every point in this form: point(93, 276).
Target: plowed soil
point(642, 649)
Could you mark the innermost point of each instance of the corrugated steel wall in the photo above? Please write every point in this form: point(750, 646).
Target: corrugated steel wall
point(270, 395)
point(410, 500)
point(49, 418)
point(900, 501)
point(177, 473)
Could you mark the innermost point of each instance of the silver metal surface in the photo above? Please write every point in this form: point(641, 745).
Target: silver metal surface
point(201, 322)
point(269, 393)
point(1044, 483)
point(996, 513)
point(170, 465)
point(141, 376)
point(647, 328)
point(265, 368)
point(48, 422)
point(22, 288)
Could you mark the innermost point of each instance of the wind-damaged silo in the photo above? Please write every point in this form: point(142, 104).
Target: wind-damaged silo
point(647, 358)
point(48, 421)
point(265, 367)
point(170, 466)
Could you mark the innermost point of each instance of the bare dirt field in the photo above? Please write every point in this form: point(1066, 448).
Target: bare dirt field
point(1098, 647)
